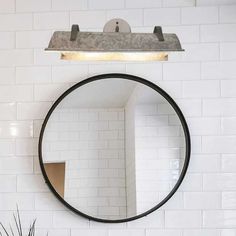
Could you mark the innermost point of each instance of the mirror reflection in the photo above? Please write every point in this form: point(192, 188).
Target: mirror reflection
point(113, 148)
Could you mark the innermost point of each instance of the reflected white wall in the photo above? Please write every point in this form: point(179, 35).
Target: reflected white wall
point(156, 173)
point(91, 143)
point(130, 156)
point(153, 132)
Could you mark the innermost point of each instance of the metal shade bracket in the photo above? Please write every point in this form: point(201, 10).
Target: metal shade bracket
point(158, 31)
point(74, 32)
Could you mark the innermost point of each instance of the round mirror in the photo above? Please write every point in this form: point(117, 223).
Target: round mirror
point(114, 148)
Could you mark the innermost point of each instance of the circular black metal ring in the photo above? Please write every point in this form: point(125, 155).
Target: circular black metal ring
point(142, 81)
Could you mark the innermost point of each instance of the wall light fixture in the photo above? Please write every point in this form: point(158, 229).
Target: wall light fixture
point(115, 43)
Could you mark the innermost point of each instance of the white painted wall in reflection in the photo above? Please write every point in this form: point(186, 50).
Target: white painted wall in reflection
point(154, 149)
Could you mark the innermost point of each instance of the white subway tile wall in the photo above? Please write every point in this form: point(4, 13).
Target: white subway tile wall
point(201, 79)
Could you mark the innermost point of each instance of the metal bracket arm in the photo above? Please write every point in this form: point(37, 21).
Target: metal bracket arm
point(74, 32)
point(158, 32)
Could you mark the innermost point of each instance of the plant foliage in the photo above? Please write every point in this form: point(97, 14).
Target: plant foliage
point(18, 226)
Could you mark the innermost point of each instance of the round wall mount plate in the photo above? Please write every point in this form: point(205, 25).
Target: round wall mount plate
point(117, 23)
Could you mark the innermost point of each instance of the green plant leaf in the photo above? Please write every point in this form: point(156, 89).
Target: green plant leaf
point(16, 224)
point(4, 229)
point(18, 215)
point(11, 230)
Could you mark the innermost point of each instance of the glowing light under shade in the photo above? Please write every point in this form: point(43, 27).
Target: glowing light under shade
point(115, 56)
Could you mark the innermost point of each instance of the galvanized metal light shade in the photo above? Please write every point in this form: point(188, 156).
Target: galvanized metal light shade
point(115, 43)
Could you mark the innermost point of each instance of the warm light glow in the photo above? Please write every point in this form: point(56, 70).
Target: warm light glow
point(115, 56)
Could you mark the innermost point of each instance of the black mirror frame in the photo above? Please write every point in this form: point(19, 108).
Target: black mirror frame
point(142, 81)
